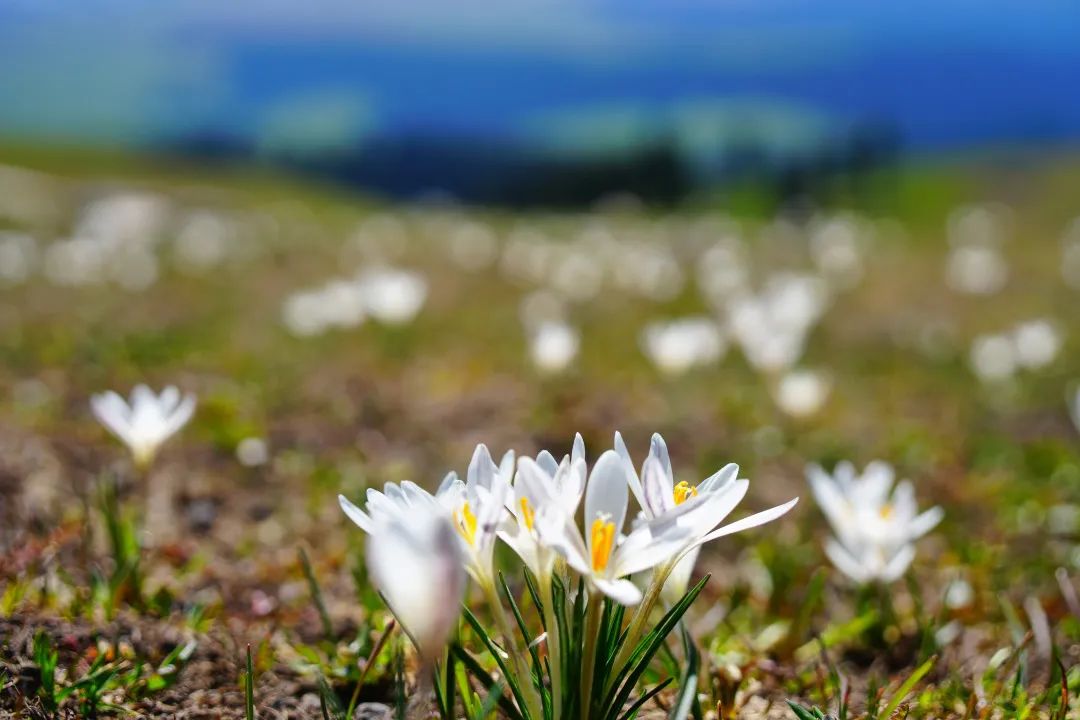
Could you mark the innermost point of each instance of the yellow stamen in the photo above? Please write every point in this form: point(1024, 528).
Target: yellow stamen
point(603, 540)
point(465, 520)
point(886, 511)
point(684, 492)
point(527, 513)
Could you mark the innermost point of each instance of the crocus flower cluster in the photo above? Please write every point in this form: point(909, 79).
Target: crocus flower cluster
point(533, 505)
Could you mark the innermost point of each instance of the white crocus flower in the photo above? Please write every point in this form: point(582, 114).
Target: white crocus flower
point(417, 566)
point(145, 422)
point(548, 486)
point(876, 527)
point(478, 508)
point(698, 511)
point(605, 557)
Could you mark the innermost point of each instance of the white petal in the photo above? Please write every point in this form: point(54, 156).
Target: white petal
point(547, 462)
point(358, 516)
point(750, 522)
point(719, 479)
point(877, 480)
point(829, 496)
point(623, 592)
point(712, 508)
point(559, 533)
point(482, 468)
point(631, 471)
point(606, 493)
point(898, 564)
point(658, 449)
point(926, 522)
point(578, 452)
point(657, 487)
point(845, 562)
point(645, 548)
point(182, 414)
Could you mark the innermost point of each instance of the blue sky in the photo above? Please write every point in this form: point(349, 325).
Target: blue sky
point(328, 71)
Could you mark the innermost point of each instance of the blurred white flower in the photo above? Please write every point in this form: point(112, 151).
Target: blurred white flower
point(124, 219)
point(976, 269)
point(391, 296)
point(145, 422)
point(417, 566)
point(677, 346)
point(993, 357)
point(18, 256)
point(834, 246)
point(1037, 343)
point(202, 241)
point(801, 393)
point(74, 262)
point(722, 271)
point(771, 327)
point(252, 451)
point(876, 527)
point(959, 594)
point(553, 346)
point(1030, 345)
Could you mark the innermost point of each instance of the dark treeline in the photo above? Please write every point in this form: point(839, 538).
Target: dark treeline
point(509, 174)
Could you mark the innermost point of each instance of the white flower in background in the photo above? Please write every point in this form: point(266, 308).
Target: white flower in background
point(771, 327)
point(391, 296)
point(993, 357)
point(1037, 343)
point(147, 421)
point(202, 241)
point(18, 256)
point(1030, 345)
point(722, 272)
point(133, 268)
point(605, 557)
point(976, 269)
point(876, 527)
point(834, 246)
point(648, 269)
point(802, 393)
point(417, 566)
point(124, 219)
point(677, 346)
point(696, 510)
point(553, 346)
point(75, 262)
point(252, 452)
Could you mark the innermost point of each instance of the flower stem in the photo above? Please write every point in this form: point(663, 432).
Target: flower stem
point(593, 616)
point(553, 642)
point(640, 616)
point(525, 680)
